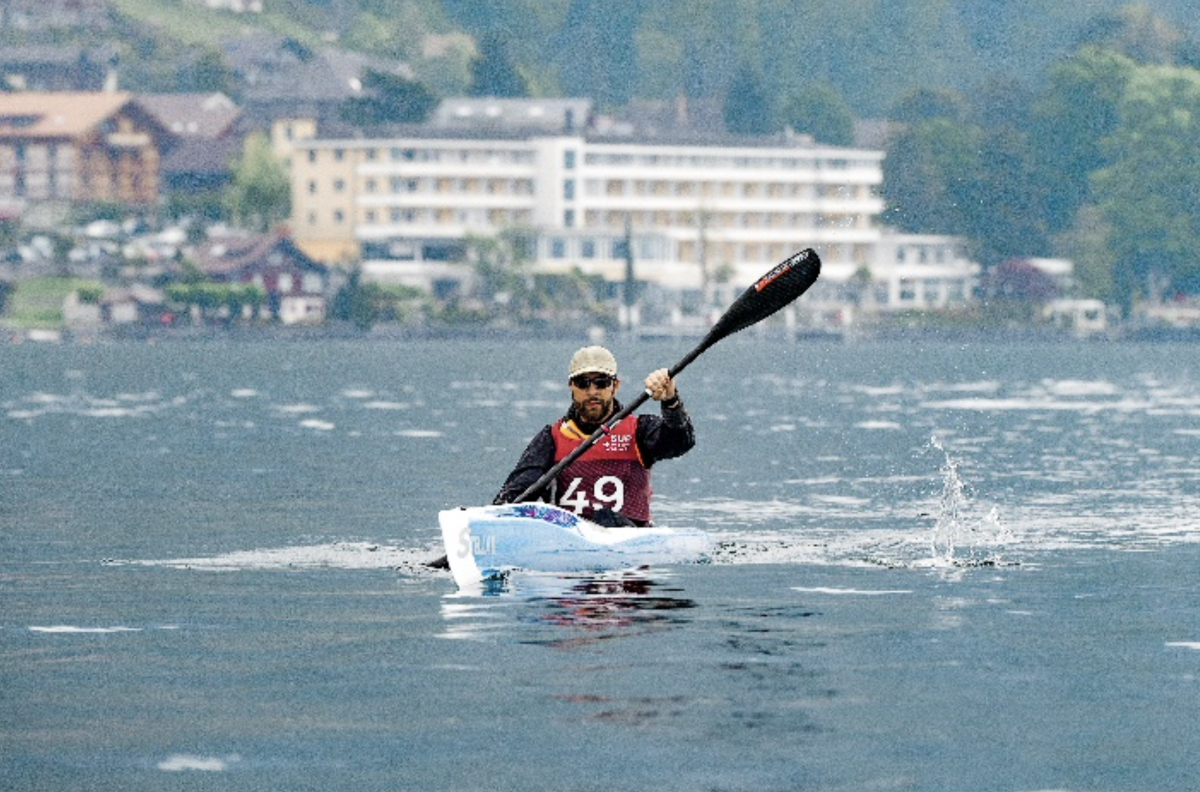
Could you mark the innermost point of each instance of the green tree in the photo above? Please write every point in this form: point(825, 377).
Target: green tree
point(819, 110)
point(503, 267)
point(10, 231)
point(1149, 191)
point(597, 55)
point(357, 302)
point(1086, 243)
point(930, 174)
point(927, 104)
point(1135, 31)
point(747, 108)
point(1002, 214)
point(211, 74)
point(493, 71)
point(261, 193)
point(1072, 116)
point(387, 99)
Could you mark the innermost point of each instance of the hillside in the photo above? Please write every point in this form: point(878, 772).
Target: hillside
point(872, 52)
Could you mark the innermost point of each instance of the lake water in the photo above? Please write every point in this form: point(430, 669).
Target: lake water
point(939, 566)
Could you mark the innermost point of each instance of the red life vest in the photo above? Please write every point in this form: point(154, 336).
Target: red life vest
point(609, 475)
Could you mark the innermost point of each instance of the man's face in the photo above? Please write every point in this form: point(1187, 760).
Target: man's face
point(593, 394)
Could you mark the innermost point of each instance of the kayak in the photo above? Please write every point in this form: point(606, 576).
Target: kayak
point(488, 542)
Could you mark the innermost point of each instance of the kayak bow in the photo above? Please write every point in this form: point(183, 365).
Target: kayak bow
point(487, 542)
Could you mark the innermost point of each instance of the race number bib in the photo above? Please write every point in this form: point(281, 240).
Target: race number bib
point(607, 493)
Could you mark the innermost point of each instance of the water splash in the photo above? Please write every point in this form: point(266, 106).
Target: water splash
point(957, 539)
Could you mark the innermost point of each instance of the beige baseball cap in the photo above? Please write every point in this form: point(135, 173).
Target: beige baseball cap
point(593, 359)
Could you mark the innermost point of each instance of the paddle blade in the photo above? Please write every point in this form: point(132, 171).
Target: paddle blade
point(771, 292)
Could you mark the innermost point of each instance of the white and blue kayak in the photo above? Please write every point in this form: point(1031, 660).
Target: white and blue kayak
point(488, 542)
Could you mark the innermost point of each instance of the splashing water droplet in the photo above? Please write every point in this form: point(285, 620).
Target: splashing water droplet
point(954, 529)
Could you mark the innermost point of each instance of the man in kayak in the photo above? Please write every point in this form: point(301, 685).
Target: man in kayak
point(610, 483)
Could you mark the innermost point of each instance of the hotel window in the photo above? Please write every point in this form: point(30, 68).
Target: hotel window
point(339, 185)
point(558, 248)
point(312, 187)
point(339, 216)
point(569, 190)
point(312, 155)
point(589, 248)
point(339, 154)
point(569, 159)
point(569, 218)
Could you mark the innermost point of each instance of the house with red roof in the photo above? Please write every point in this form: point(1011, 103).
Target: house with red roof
point(295, 285)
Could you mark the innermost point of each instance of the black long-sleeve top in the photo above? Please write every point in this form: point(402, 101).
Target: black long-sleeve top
point(664, 436)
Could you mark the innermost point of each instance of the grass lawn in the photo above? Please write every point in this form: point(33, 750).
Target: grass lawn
point(37, 302)
point(197, 25)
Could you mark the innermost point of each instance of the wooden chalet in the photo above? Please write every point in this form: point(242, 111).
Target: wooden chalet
point(79, 148)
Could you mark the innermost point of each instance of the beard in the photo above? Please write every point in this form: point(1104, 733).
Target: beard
point(593, 409)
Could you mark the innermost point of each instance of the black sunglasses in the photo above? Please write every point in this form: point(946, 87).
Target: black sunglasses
point(601, 381)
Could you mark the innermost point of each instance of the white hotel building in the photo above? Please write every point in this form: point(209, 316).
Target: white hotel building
point(698, 213)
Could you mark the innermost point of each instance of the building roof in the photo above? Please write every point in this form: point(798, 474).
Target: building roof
point(552, 114)
point(233, 253)
point(41, 55)
point(202, 156)
point(56, 115)
point(277, 69)
point(193, 115)
point(38, 15)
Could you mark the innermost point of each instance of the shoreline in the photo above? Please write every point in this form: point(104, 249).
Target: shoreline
point(394, 333)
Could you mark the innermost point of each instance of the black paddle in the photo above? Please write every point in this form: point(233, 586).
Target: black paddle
point(772, 291)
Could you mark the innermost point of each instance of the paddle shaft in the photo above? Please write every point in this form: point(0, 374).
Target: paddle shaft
point(777, 288)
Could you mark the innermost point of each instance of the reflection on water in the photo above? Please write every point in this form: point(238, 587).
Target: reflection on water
point(565, 611)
